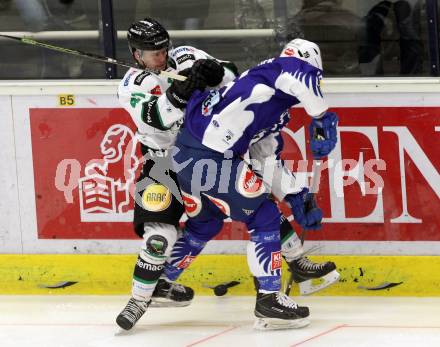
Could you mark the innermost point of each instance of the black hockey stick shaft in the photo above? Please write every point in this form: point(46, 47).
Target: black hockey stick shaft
point(311, 203)
point(313, 188)
point(92, 56)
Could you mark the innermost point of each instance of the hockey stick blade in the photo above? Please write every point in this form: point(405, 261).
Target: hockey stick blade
point(92, 56)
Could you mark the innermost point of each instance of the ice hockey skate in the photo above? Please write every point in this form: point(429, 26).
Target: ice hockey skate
point(305, 272)
point(171, 294)
point(132, 313)
point(277, 311)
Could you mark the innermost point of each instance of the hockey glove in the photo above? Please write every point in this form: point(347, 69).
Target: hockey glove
point(180, 91)
point(323, 134)
point(304, 209)
point(211, 70)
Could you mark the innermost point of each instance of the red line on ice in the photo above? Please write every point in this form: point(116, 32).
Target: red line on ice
point(212, 336)
point(319, 335)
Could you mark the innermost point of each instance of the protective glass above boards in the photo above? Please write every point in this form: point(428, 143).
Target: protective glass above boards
point(357, 38)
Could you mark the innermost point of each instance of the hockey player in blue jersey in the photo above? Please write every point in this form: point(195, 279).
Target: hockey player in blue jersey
point(216, 183)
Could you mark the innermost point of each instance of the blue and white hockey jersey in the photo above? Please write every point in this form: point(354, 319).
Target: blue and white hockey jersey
point(231, 117)
point(249, 113)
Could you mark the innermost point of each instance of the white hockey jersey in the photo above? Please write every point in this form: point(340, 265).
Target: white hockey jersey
point(142, 94)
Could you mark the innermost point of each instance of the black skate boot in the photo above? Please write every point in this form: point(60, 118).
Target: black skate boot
point(132, 313)
point(278, 311)
point(171, 294)
point(303, 271)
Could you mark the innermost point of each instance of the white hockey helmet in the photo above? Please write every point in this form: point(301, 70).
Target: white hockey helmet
point(304, 50)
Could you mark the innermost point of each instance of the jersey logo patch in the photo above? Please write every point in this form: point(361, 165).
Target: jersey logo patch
point(247, 212)
point(222, 205)
point(156, 90)
point(249, 184)
point(151, 115)
point(289, 52)
point(185, 57)
point(211, 100)
point(127, 79)
point(157, 245)
point(276, 260)
point(192, 204)
point(156, 197)
point(186, 261)
point(139, 78)
point(182, 49)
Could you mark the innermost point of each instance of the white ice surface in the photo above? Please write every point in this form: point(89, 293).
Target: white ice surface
point(88, 321)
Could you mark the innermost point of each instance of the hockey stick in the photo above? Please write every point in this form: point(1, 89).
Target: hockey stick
point(93, 56)
point(310, 203)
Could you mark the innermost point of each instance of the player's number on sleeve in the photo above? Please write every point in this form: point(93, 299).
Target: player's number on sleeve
point(135, 98)
point(66, 100)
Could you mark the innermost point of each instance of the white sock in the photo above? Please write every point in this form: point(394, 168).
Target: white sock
point(291, 247)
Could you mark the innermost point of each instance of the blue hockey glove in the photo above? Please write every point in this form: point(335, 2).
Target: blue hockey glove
point(304, 209)
point(323, 134)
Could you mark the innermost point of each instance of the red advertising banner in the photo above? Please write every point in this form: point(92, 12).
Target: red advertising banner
point(381, 182)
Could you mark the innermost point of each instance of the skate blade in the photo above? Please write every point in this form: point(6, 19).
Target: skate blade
point(280, 324)
point(163, 302)
point(307, 288)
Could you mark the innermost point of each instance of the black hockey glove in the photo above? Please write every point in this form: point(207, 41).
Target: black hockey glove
point(211, 70)
point(180, 91)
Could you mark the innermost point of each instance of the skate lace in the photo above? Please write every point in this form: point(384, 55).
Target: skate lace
point(286, 301)
point(307, 264)
point(134, 310)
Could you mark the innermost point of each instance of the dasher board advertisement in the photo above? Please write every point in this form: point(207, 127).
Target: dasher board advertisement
point(381, 184)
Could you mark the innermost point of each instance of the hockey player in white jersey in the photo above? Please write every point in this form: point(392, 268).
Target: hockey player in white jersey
point(220, 127)
point(155, 104)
